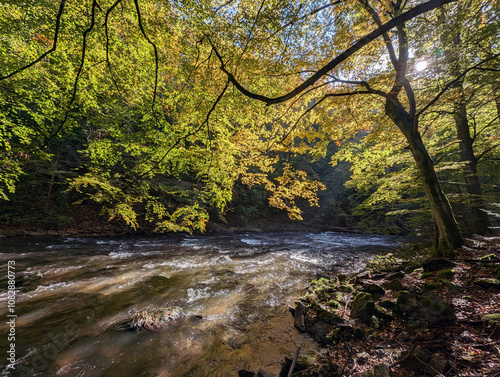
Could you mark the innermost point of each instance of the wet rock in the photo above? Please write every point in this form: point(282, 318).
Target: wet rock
point(381, 370)
point(298, 316)
point(154, 319)
point(155, 284)
point(28, 282)
point(374, 289)
point(407, 303)
point(488, 283)
point(363, 307)
point(394, 285)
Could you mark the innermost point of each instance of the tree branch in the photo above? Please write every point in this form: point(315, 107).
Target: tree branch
point(107, 44)
point(52, 49)
point(157, 164)
point(453, 82)
point(412, 13)
point(139, 21)
point(78, 74)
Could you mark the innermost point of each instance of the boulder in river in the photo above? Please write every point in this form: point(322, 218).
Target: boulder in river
point(154, 319)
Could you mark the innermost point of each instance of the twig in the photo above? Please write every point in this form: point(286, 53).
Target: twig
point(290, 372)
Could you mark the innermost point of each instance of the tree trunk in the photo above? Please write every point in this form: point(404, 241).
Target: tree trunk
point(449, 236)
point(479, 218)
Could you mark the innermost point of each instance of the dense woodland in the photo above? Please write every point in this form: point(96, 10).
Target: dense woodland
point(170, 115)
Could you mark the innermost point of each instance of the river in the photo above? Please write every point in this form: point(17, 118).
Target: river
point(69, 314)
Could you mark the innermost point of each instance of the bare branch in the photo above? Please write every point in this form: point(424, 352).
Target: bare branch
point(343, 94)
point(410, 14)
point(108, 62)
point(139, 21)
point(49, 51)
point(78, 74)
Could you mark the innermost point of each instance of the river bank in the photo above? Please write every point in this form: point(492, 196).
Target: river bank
point(407, 317)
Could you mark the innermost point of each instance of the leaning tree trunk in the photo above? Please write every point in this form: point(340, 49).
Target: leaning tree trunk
point(449, 237)
point(479, 218)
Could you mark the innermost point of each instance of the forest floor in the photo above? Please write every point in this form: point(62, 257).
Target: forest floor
point(401, 318)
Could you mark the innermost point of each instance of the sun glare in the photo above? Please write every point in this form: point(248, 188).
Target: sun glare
point(421, 65)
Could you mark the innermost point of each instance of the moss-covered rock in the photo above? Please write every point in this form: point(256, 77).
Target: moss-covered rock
point(489, 258)
point(446, 274)
point(426, 275)
point(407, 302)
point(363, 307)
point(492, 319)
point(488, 283)
point(374, 289)
point(384, 314)
point(434, 310)
point(394, 285)
point(431, 286)
point(452, 286)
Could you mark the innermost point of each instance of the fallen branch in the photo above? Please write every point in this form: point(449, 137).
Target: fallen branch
point(290, 372)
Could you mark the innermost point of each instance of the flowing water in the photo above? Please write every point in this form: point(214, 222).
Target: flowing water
point(69, 315)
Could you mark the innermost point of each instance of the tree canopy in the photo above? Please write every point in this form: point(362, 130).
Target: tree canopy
point(158, 109)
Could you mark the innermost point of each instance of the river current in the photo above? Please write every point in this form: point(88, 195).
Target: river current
point(74, 293)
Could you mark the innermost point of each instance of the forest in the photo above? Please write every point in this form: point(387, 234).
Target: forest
point(133, 117)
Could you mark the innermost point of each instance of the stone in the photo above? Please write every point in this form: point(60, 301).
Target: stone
point(396, 275)
point(431, 286)
point(265, 373)
point(452, 286)
point(384, 314)
point(363, 307)
point(488, 283)
point(407, 303)
point(328, 316)
point(393, 285)
point(497, 272)
point(28, 282)
point(374, 289)
point(245, 373)
point(381, 370)
point(446, 274)
point(319, 332)
point(154, 319)
point(437, 365)
point(387, 304)
point(434, 310)
point(414, 361)
point(298, 317)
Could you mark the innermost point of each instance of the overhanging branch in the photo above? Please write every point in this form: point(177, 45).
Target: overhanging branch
point(412, 13)
point(49, 51)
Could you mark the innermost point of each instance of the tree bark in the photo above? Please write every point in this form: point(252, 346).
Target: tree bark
point(449, 235)
point(479, 218)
